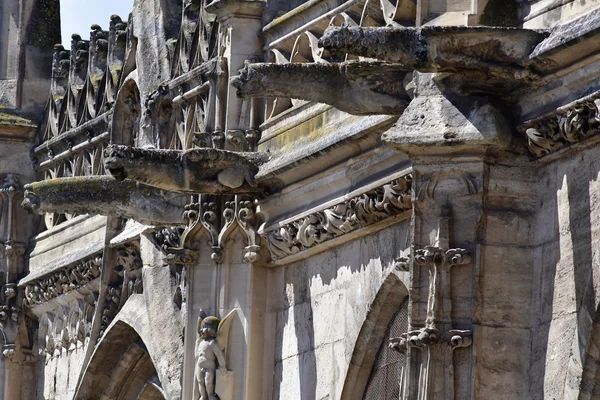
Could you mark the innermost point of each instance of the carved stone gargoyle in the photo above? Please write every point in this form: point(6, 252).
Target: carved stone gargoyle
point(199, 170)
point(489, 59)
point(105, 195)
point(356, 87)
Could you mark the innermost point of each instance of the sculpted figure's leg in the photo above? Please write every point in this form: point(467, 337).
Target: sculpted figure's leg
point(200, 378)
point(209, 380)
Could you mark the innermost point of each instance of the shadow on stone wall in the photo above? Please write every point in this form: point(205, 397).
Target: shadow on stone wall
point(341, 302)
point(564, 347)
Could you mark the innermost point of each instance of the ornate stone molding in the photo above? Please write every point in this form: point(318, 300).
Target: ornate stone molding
point(204, 219)
point(110, 307)
point(66, 327)
point(129, 269)
point(566, 125)
point(66, 279)
point(167, 238)
point(358, 212)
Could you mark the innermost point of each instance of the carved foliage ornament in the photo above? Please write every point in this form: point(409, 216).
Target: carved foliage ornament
point(567, 125)
point(129, 268)
point(66, 327)
point(376, 205)
point(62, 281)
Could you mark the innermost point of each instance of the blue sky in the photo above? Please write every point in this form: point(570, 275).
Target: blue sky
point(78, 15)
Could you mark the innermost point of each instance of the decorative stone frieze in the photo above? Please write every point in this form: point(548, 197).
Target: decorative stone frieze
point(358, 212)
point(70, 278)
point(566, 125)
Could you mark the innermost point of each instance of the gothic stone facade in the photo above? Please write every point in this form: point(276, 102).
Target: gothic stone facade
point(331, 199)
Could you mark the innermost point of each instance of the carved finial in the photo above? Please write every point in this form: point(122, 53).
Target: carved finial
point(96, 27)
point(115, 18)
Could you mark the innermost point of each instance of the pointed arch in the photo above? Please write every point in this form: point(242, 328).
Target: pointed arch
point(127, 112)
point(134, 359)
point(390, 297)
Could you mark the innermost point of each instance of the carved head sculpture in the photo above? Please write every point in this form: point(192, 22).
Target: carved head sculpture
point(208, 327)
point(10, 291)
point(31, 202)
point(4, 313)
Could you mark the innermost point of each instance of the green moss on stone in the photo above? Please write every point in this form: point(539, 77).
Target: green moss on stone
point(9, 117)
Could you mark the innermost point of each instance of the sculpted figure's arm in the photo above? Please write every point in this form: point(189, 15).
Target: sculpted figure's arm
point(219, 353)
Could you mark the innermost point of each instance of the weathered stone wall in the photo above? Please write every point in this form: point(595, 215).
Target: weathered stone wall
point(319, 305)
point(566, 281)
point(548, 13)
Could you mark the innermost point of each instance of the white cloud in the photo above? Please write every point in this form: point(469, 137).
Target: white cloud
point(76, 16)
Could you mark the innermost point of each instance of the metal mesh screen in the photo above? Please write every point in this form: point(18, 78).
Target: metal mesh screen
point(384, 382)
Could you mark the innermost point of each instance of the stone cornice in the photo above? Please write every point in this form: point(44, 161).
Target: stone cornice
point(569, 124)
point(376, 205)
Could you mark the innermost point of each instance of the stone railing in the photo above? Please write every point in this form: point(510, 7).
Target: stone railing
point(293, 37)
point(85, 81)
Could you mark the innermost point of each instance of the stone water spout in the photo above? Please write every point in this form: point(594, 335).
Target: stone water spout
point(359, 88)
point(199, 170)
point(105, 195)
point(492, 59)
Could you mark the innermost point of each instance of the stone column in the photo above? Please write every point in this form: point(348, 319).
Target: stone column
point(220, 249)
point(467, 247)
point(16, 330)
point(240, 24)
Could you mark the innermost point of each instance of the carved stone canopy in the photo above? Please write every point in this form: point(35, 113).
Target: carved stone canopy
point(359, 88)
point(199, 170)
point(104, 195)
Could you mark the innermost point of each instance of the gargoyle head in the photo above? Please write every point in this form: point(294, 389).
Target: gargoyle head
point(247, 81)
point(116, 159)
point(31, 202)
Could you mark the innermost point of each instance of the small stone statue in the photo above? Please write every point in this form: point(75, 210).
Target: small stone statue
point(209, 356)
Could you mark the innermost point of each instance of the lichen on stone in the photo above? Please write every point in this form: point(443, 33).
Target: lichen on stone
point(9, 117)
